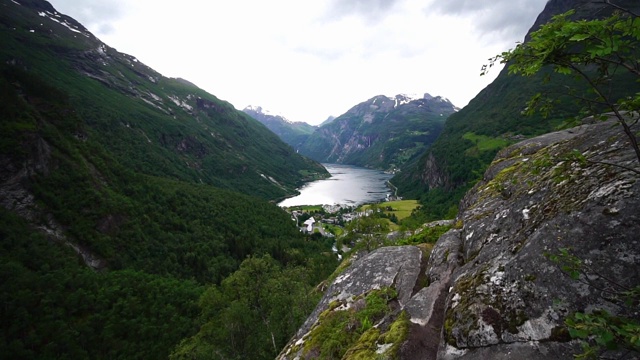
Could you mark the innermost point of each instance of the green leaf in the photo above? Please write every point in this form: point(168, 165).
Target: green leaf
point(605, 338)
point(575, 275)
point(563, 70)
point(579, 37)
point(580, 334)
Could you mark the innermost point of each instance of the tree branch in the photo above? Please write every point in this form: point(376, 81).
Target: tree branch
point(616, 111)
point(621, 63)
point(616, 165)
point(608, 2)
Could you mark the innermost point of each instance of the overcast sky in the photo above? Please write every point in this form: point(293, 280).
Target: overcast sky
point(308, 60)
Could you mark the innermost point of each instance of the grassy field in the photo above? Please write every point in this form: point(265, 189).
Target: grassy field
point(401, 208)
point(485, 143)
point(334, 229)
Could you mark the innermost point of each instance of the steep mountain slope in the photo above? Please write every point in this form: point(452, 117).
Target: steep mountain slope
point(153, 124)
point(381, 132)
point(292, 133)
point(116, 201)
point(492, 120)
point(328, 121)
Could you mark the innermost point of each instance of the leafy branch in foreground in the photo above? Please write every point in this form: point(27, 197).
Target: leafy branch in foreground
point(598, 52)
point(599, 330)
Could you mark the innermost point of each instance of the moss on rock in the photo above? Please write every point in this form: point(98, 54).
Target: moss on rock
point(346, 329)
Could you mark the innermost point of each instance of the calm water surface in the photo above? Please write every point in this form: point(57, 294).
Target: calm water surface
point(348, 185)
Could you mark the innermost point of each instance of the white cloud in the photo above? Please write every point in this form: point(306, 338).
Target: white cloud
point(93, 14)
point(372, 10)
point(309, 60)
point(498, 18)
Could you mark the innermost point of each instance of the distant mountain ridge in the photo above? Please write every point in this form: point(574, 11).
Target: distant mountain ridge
point(383, 132)
point(328, 120)
point(292, 133)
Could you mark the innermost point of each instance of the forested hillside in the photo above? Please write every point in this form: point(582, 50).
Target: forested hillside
point(125, 196)
point(151, 124)
point(292, 133)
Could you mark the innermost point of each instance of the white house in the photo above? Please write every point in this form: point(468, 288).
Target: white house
point(309, 224)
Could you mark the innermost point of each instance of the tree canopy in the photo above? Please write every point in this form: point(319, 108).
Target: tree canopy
point(599, 52)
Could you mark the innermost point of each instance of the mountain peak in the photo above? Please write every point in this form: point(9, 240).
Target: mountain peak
point(262, 111)
point(382, 132)
point(405, 98)
point(408, 96)
point(441, 99)
point(402, 99)
point(292, 133)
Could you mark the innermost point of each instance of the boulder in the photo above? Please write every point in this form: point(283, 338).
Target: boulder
point(396, 267)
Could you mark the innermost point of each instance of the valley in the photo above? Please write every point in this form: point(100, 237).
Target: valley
point(142, 217)
point(382, 133)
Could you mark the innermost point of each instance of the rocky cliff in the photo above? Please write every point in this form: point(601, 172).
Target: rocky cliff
point(488, 288)
point(382, 132)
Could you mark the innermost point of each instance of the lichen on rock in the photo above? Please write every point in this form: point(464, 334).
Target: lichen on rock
point(491, 290)
point(564, 191)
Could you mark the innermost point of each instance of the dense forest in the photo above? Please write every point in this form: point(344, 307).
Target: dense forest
point(162, 243)
point(148, 123)
point(128, 199)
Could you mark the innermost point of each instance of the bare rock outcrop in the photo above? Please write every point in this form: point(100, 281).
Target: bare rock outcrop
point(564, 190)
point(391, 267)
point(15, 196)
point(489, 289)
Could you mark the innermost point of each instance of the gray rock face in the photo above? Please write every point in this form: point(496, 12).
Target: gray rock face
point(14, 196)
point(491, 292)
point(382, 132)
point(396, 267)
point(537, 197)
point(432, 175)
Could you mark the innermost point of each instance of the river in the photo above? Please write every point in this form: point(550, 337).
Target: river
point(348, 185)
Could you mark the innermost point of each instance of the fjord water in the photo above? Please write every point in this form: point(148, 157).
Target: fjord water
point(348, 185)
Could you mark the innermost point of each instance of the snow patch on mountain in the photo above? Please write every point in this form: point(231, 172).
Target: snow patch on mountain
point(261, 110)
point(183, 104)
point(441, 99)
point(402, 99)
point(64, 23)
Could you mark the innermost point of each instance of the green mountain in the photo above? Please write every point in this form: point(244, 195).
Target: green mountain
point(292, 133)
point(328, 120)
point(126, 195)
point(382, 132)
point(493, 120)
point(151, 124)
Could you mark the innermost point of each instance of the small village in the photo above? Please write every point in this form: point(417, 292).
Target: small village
point(332, 220)
point(365, 227)
point(324, 219)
